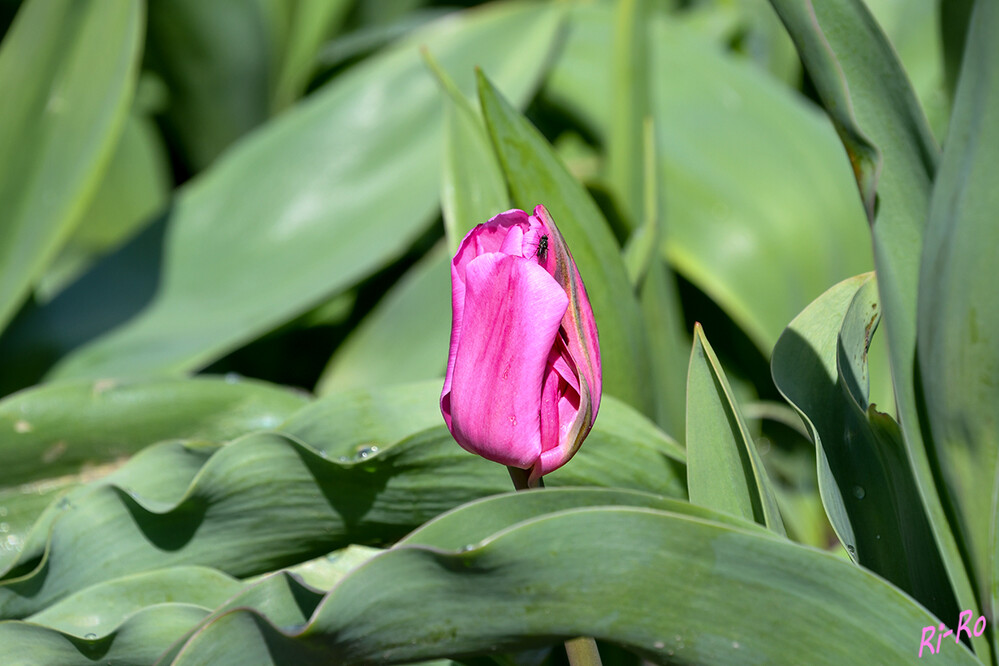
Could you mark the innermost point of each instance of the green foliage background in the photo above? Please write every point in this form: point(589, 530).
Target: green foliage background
point(224, 313)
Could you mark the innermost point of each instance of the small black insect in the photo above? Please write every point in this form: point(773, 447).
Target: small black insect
point(542, 247)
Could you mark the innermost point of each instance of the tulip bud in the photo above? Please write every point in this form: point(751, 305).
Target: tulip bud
point(523, 372)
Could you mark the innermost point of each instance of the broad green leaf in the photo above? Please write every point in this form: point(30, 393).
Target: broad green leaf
point(309, 22)
point(958, 338)
point(175, 504)
point(536, 176)
point(67, 69)
point(454, 530)
point(724, 469)
point(417, 308)
point(914, 30)
point(472, 187)
point(759, 207)
point(135, 185)
point(671, 587)
point(894, 158)
point(344, 422)
point(55, 437)
point(54, 429)
point(100, 609)
point(317, 199)
point(478, 520)
point(865, 481)
point(215, 59)
point(140, 640)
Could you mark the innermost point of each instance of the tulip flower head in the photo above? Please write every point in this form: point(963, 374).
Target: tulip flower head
point(523, 372)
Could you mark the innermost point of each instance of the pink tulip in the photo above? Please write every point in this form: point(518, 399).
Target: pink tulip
point(523, 373)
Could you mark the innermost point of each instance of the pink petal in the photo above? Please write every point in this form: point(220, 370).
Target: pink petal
point(512, 311)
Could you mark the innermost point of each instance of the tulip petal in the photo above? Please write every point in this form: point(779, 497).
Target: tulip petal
point(511, 315)
point(488, 237)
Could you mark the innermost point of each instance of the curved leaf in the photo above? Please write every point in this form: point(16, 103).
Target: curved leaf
point(865, 480)
point(176, 504)
point(958, 343)
point(673, 588)
point(54, 429)
point(759, 206)
point(67, 69)
point(318, 199)
point(139, 640)
point(724, 469)
point(869, 99)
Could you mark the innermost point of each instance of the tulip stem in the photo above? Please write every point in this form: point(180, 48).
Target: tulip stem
point(522, 479)
point(582, 652)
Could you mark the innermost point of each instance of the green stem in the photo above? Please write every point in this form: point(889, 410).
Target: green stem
point(522, 479)
point(581, 651)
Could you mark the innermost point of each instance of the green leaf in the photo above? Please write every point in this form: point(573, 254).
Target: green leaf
point(215, 59)
point(135, 185)
point(537, 176)
point(472, 188)
point(894, 156)
point(915, 32)
point(630, 107)
point(190, 504)
point(139, 640)
point(57, 436)
point(759, 208)
point(294, 192)
point(420, 305)
point(478, 520)
point(954, 23)
point(102, 608)
point(671, 587)
point(310, 21)
point(958, 343)
point(866, 483)
point(724, 469)
point(55, 429)
point(660, 303)
point(67, 69)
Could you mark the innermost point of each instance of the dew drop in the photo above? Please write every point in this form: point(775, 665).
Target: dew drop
point(91, 637)
point(659, 645)
point(4, 528)
point(367, 452)
point(736, 645)
point(22, 426)
point(232, 378)
point(859, 492)
point(513, 420)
